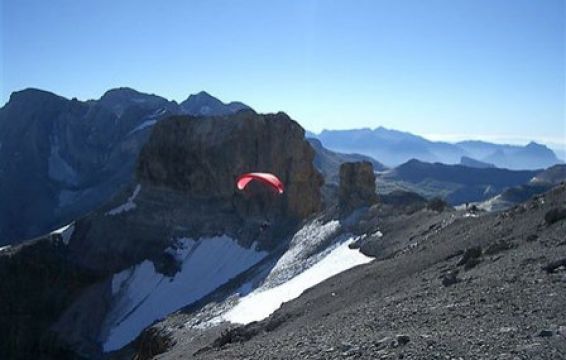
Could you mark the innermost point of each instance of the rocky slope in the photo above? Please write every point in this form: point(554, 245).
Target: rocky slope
point(451, 285)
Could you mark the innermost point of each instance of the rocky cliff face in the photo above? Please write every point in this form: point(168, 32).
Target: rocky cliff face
point(357, 185)
point(186, 176)
point(202, 157)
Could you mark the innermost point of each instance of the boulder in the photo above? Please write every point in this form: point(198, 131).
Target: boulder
point(470, 258)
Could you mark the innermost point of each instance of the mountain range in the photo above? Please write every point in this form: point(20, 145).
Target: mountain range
point(455, 184)
point(161, 255)
point(392, 148)
point(61, 158)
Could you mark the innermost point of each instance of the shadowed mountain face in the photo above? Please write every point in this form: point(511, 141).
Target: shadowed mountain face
point(455, 183)
point(469, 162)
point(539, 184)
point(61, 158)
point(394, 147)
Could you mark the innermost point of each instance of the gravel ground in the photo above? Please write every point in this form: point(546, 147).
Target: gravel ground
point(474, 288)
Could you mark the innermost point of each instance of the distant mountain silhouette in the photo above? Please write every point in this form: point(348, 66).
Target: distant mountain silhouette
point(392, 148)
point(456, 184)
point(530, 156)
point(468, 161)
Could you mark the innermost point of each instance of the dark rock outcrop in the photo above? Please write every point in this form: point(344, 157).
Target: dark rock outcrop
point(470, 258)
point(437, 204)
point(202, 157)
point(357, 185)
point(150, 343)
point(186, 173)
point(555, 215)
point(450, 278)
point(38, 282)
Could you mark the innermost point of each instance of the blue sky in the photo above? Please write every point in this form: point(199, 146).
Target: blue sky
point(447, 69)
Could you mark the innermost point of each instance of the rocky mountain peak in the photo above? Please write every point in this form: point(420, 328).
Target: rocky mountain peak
point(205, 104)
point(538, 149)
point(32, 98)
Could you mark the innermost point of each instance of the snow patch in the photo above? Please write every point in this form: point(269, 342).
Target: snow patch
point(66, 232)
point(6, 247)
point(128, 205)
point(143, 125)
point(141, 295)
point(263, 302)
point(150, 121)
point(490, 204)
point(304, 250)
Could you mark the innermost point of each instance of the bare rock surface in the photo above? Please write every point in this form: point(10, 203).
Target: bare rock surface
point(357, 185)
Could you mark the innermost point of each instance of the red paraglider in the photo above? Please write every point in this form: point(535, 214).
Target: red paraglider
point(266, 178)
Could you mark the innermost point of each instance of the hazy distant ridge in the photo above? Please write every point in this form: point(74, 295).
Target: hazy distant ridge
point(393, 147)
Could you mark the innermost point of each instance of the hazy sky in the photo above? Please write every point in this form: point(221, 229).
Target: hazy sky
point(447, 69)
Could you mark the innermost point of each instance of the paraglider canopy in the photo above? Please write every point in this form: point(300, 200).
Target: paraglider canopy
point(266, 178)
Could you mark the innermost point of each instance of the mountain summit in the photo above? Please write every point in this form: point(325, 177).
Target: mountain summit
point(204, 104)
